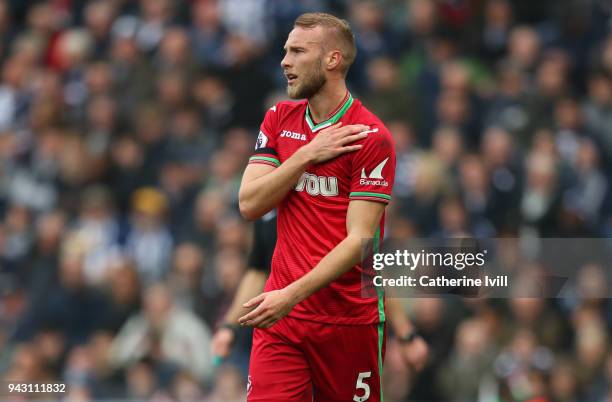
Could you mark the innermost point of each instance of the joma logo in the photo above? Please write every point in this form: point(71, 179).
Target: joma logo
point(318, 185)
point(295, 136)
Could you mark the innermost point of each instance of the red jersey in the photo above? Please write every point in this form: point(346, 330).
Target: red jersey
point(312, 217)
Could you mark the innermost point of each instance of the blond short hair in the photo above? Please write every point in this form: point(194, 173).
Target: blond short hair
point(343, 36)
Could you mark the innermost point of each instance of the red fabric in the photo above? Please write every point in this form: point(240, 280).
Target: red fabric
point(296, 358)
point(456, 13)
point(312, 218)
point(52, 57)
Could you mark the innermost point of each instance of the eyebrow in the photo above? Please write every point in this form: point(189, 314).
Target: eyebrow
point(301, 46)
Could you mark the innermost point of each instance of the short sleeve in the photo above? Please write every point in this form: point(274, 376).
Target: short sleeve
point(373, 168)
point(264, 241)
point(265, 146)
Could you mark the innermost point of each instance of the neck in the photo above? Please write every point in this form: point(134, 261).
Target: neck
point(327, 100)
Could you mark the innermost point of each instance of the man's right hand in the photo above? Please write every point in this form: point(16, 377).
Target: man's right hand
point(222, 341)
point(334, 141)
point(263, 187)
point(416, 353)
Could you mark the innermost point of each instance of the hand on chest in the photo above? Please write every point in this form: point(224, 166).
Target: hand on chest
point(328, 179)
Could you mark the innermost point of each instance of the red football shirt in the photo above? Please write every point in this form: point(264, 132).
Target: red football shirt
point(312, 217)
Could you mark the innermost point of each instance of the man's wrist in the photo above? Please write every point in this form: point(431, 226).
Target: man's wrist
point(292, 293)
point(409, 336)
point(306, 157)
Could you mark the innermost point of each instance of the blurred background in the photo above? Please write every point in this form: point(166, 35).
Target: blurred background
point(125, 126)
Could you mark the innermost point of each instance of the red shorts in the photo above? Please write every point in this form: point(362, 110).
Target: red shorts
point(302, 361)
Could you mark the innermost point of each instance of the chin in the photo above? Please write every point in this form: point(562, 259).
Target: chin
point(294, 93)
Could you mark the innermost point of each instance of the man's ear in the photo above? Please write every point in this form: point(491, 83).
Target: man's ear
point(333, 60)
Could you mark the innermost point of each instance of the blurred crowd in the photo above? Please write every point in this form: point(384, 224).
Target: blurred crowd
point(124, 129)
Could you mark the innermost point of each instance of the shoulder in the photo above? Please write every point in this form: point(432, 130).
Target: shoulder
point(362, 115)
point(282, 112)
point(379, 132)
point(288, 106)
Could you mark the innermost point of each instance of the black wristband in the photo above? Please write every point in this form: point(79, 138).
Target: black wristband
point(409, 337)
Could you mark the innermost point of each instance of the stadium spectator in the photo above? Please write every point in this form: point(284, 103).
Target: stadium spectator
point(171, 337)
point(124, 126)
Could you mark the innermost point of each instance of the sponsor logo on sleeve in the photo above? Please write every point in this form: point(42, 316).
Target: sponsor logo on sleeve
point(262, 140)
point(375, 178)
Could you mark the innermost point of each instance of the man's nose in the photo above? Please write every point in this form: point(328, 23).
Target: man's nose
point(285, 62)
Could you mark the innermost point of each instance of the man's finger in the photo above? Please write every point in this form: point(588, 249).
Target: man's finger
point(255, 301)
point(332, 127)
point(257, 321)
point(353, 138)
point(348, 130)
point(349, 148)
point(353, 129)
point(250, 316)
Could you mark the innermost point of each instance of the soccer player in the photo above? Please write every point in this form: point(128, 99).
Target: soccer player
point(328, 165)
point(414, 349)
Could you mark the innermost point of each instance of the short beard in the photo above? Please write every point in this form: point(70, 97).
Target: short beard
point(312, 84)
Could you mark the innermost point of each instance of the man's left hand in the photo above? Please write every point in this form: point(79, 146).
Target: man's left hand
point(269, 308)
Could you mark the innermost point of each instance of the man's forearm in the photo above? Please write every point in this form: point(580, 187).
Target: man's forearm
point(260, 195)
point(399, 322)
point(362, 220)
point(337, 262)
point(341, 259)
point(251, 285)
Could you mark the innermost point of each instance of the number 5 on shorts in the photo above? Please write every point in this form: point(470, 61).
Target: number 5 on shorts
point(362, 385)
